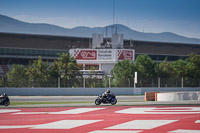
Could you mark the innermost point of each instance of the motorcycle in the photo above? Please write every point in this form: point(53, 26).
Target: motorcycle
point(106, 100)
point(4, 100)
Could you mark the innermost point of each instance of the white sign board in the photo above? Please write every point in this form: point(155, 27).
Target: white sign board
point(105, 54)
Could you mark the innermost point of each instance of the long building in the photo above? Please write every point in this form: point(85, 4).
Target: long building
point(21, 48)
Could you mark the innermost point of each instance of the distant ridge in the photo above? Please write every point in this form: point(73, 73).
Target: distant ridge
point(10, 25)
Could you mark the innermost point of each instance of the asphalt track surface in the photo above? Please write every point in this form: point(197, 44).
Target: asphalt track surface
point(101, 119)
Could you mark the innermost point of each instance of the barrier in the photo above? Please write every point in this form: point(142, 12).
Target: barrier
point(178, 96)
point(149, 96)
point(86, 91)
point(156, 96)
point(63, 91)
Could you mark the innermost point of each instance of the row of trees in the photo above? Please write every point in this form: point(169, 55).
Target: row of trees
point(41, 74)
point(146, 68)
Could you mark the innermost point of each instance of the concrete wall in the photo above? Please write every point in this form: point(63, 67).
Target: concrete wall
point(86, 91)
point(178, 96)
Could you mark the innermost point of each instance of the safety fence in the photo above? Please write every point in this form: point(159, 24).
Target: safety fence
point(87, 91)
point(102, 82)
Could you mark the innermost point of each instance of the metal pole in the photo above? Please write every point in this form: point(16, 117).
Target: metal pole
point(58, 82)
point(128, 82)
point(182, 82)
point(109, 82)
point(4, 82)
point(134, 83)
point(32, 83)
point(83, 82)
point(159, 82)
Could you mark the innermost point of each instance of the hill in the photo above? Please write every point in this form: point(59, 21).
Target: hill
point(11, 25)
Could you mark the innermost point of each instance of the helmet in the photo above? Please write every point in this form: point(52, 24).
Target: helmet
point(108, 91)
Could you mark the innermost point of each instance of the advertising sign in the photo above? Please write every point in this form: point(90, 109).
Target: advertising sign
point(125, 54)
point(102, 54)
point(105, 54)
point(85, 54)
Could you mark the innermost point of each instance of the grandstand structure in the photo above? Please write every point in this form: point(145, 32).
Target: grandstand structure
point(23, 48)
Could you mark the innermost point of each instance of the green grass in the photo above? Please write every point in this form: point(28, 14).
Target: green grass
point(134, 101)
point(34, 103)
point(65, 102)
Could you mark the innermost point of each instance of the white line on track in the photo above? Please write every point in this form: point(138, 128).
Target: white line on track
point(155, 110)
point(63, 124)
point(185, 131)
point(114, 131)
point(76, 111)
point(8, 110)
point(142, 124)
point(198, 121)
point(71, 111)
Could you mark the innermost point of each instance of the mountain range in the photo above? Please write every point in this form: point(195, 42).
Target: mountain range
point(11, 25)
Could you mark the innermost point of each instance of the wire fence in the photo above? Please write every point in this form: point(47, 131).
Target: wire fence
point(102, 82)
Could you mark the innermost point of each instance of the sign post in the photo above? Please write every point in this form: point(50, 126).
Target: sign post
point(135, 80)
point(59, 82)
point(109, 76)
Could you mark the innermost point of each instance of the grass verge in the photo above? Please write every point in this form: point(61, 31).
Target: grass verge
point(34, 103)
point(71, 102)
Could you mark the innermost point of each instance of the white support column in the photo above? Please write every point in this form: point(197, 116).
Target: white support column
point(83, 66)
point(135, 80)
point(100, 67)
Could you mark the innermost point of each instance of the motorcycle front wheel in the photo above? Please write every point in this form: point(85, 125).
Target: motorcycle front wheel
point(97, 101)
point(113, 101)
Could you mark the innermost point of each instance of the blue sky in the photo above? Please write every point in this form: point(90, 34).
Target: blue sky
point(178, 16)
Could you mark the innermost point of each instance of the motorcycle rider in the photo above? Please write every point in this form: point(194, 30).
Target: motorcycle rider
point(3, 95)
point(106, 94)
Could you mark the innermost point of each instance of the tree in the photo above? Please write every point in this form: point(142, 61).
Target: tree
point(179, 68)
point(165, 69)
point(105, 81)
point(17, 77)
point(38, 73)
point(145, 66)
point(66, 67)
point(166, 73)
point(122, 73)
point(192, 71)
point(193, 66)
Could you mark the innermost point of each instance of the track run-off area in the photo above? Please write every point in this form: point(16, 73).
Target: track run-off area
point(101, 119)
